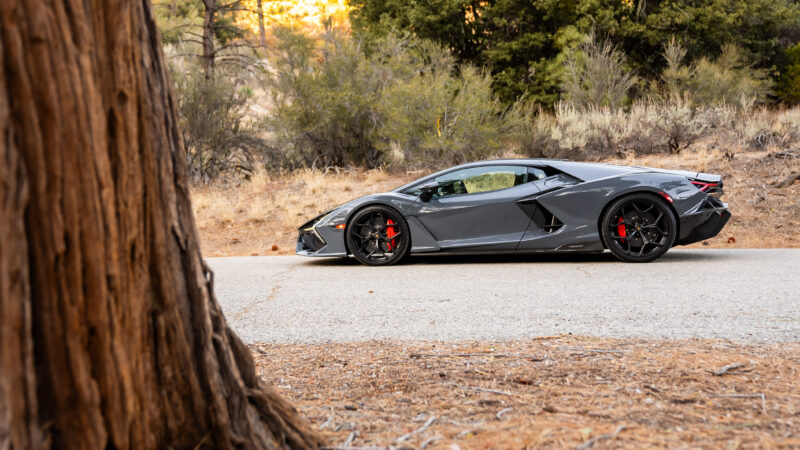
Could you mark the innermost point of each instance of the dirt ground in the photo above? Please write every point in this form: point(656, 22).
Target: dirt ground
point(261, 216)
point(560, 391)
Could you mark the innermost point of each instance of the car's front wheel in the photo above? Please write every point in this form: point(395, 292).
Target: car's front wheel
point(639, 228)
point(378, 236)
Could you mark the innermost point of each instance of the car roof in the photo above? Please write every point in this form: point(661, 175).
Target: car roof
point(488, 162)
point(512, 161)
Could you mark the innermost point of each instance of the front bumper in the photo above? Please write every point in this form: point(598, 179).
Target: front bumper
point(318, 237)
point(309, 241)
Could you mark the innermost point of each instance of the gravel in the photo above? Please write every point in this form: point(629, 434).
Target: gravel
point(741, 295)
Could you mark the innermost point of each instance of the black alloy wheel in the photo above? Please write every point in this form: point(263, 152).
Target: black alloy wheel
point(378, 236)
point(639, 228)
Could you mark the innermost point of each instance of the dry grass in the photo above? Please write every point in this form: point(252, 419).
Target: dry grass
point(562, 392)
point(251, 218)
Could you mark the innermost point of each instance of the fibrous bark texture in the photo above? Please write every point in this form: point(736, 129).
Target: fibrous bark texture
point(110, 335)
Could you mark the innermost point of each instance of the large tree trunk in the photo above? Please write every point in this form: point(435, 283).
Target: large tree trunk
point(110, 335)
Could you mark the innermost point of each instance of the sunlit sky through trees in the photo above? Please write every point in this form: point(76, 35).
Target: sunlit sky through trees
point(307, 14)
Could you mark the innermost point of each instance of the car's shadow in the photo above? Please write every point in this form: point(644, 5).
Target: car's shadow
point(691, 255)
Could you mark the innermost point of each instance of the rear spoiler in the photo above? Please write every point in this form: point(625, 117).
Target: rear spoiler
point(708, 177)
point(708, 183)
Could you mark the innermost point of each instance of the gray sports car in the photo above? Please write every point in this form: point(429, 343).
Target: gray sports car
point(521, 206)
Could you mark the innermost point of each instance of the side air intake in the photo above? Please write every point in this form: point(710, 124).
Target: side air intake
point(540, 216)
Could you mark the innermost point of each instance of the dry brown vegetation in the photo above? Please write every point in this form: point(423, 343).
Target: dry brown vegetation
point(253, 216)
point(560, 391)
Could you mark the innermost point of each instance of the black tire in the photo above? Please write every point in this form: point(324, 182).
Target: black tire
point(378, 236)
point(638, 228)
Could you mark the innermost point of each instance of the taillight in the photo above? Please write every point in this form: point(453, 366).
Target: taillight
point(704, 186)
point(708, 187)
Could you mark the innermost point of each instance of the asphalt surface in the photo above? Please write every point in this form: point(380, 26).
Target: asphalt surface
point(742, 295)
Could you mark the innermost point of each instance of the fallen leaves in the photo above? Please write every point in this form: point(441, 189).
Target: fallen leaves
point(576, 391)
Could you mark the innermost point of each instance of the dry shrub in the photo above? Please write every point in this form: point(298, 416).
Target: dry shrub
point(590, 133)
point(676, 124)
point(665, 126)
point(596, 133)
point(764, 128)
point(532, 133)
point(220, 140)
point(789, 126)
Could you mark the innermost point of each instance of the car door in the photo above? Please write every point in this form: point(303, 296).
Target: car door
point(475, 209)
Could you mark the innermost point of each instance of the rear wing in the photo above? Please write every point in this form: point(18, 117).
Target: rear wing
point(708, 177)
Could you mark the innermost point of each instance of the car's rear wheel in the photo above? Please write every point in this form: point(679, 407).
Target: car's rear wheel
point(639, 228)
point(378, 236)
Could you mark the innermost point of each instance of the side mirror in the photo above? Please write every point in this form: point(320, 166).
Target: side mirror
point(428, 190)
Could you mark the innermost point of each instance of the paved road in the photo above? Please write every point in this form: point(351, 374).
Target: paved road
point(744, 295)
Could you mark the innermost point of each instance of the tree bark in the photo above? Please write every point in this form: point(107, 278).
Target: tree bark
point(110, 334)
point(209, 22)
point(261, 31)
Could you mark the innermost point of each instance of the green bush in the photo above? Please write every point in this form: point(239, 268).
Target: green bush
point(596, 75)
point(789, 81)
point(401, 101)
point(436, 118)
point(524, 41)
point(531, 130)
point(324, 99)
point(728, 79)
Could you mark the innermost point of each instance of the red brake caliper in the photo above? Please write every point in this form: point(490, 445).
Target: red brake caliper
point(621, 231)
point(390, 233)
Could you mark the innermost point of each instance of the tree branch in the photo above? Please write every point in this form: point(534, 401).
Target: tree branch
point(183, 26)
point(234, 45)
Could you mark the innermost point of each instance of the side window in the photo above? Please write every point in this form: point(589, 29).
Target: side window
point(535, 173)
point(482, 179)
